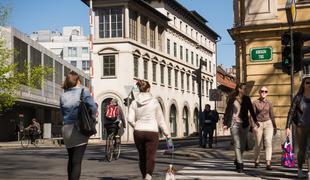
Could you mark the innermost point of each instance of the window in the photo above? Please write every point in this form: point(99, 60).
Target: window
point(143, 30)
point(181, 52)
point(152, 35)
point(192, 32)
point(210, 66)
point(160, 32)
point(197, 60)
point(193, 86)
point(48, 62)
point(73, 63)
point(182, 80)
point(175, 49)
point(154, 71)
point(202, 87)
point(187, 82)
point(72, 52)
point(20, 54)
point(111, 23)
point(196, 35)
point(192, 57)
point(109, 65)
point(186, 29)
point(145, 67)
point(162, 74)
point(168, 46)
point(85, 65)
point(174, 21)
point(133, 24)
point(186, 55)
point(84, 50)
point(181, 25)
point(176, 78)
point(58, 73)
point(136, 66)
point(207, 88)
point(169, 76)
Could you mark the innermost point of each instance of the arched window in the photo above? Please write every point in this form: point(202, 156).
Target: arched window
point(173, 120)
point(185, 121)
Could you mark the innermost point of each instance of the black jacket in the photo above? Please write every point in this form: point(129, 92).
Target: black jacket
point(246, 106)
point(295, 113)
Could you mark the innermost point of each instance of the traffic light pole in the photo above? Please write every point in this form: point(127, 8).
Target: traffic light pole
point(292, 63)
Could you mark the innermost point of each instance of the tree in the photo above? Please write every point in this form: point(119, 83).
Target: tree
point(10, 78)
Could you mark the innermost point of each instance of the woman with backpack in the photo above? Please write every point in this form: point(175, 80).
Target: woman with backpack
point(299, 113)
point(236, 118)
point(145, 116)
point(75, 141)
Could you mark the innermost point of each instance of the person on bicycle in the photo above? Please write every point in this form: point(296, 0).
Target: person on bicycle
point(114, 118)
point(34, 130)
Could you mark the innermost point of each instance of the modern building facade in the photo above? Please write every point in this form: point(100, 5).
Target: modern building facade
point(41, 102)
point(257, 30)
point(159, 41)
point(71, 45)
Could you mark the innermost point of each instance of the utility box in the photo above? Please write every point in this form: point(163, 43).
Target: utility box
point(47, 130)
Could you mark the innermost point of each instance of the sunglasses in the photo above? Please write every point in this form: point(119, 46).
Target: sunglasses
point(307, 82)
point(262, 91)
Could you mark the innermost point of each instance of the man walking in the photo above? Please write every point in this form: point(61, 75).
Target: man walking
point(209, 124)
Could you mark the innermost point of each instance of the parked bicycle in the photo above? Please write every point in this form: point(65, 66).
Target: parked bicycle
point(113, 146)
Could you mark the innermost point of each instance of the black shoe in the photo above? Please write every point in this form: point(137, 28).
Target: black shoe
point(256, 164)
point(210, 146)
point(235, 162)
point(268, 167)
point(239, 167)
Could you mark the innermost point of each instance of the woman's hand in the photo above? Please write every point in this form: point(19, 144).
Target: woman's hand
point(225, 128)
point(288, 132)
point(168, 136)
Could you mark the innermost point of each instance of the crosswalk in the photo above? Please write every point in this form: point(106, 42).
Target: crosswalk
point(224, 169)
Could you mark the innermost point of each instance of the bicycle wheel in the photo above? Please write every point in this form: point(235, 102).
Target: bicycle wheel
point(117, 147)
point(109, 148)
point(25, 141)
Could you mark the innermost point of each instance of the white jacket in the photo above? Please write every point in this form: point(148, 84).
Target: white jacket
point(145, 114)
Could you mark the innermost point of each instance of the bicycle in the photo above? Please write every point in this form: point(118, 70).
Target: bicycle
point(113, 146)
point(25, 140)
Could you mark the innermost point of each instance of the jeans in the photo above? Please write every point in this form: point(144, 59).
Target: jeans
point(208, 131)
point(239, 135)
point(302, 136)
point(265, 129)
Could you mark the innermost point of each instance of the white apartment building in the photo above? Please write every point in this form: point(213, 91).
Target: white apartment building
point(71, 45)
point(159, 41)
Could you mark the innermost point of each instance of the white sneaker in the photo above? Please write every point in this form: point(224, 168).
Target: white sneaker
point(148, 177)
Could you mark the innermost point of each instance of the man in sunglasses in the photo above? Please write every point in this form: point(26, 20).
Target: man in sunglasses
point(265, 117)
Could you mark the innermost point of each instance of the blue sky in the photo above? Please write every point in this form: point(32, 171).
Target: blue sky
point(33, 15)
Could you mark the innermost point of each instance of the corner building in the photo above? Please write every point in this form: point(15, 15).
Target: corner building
point(159, 41)
point(257, 30)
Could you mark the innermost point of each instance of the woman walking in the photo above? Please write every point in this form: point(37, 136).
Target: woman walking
point(267, 126)
point(145, 116)
point(236, 118)
point(75, 141)
point(299, 113)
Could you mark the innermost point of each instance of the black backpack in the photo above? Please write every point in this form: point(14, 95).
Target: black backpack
point(85, 123)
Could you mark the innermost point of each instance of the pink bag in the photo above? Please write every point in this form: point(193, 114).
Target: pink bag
point(287, 159)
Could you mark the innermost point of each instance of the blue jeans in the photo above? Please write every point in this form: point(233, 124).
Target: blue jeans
point(239, 135)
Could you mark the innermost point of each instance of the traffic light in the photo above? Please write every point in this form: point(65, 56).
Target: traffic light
point(300, 50)
point(197, 73)
point(286, 52)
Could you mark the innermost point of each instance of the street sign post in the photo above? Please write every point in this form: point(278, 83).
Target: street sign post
point(290, 9)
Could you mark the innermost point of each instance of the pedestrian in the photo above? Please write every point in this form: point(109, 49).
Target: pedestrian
point(299, 113)
point(267, 127)
point(236, 118)
point(34, 130)
point(74, 141)
point(145, 116)
point(209, 125)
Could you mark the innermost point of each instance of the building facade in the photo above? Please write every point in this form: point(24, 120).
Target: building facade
point(71, 45)
point(159, 41)
point(42, 102)
point(257, 30)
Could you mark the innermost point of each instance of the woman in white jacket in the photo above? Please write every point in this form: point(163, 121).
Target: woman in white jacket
point(145, 116)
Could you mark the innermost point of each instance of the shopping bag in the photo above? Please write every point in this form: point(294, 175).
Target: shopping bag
point(287, 159)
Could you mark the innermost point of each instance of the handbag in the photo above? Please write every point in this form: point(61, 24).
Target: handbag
point(287, 158)
point(85, 123)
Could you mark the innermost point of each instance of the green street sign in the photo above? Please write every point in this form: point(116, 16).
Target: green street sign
point(261, 54)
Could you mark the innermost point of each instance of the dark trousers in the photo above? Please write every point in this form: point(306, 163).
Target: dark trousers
point(208, 131)
point(75, 161)
point(146, 143)
point(303, 134)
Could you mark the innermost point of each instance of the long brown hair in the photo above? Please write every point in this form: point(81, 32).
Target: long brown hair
point(236, 91)
point(301, 87)
point(71, 80)
point(143, 85)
